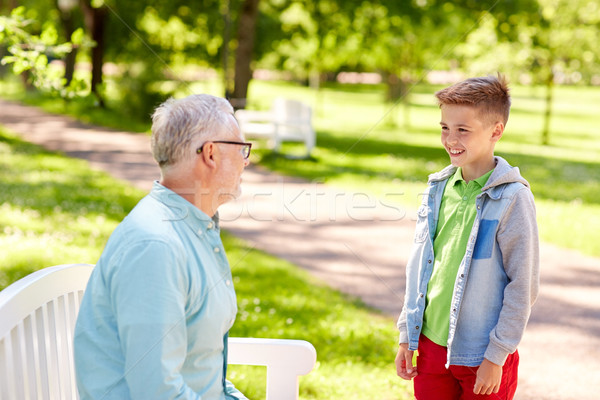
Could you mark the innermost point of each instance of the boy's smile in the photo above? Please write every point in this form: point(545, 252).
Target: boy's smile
point(469, 140)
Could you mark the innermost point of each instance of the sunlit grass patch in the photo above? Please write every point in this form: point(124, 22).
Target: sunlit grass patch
point(278, 300)
point(357, 148)
point(385, 149)
point(57, 210)
point(53, 209)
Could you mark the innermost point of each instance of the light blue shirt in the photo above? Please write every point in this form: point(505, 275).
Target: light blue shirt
point(155, 316)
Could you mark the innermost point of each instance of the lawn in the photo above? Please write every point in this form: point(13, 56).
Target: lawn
point(57, 210)
point(365, 144)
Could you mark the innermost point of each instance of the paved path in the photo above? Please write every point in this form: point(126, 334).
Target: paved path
point(360, 245)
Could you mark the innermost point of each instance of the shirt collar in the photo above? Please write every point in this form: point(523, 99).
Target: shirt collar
point(183, 210)
point(457, 177)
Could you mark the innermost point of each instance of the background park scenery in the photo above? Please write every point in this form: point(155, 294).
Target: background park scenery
point(367, 68)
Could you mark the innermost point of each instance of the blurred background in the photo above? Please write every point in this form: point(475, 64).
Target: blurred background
point(367, 68)
point(369, 71)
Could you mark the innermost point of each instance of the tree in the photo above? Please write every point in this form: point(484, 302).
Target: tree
point(535, 42)
point(95, 15)
point(245, 47)
point(30, 52)
point(67, 10)
point(307, 38)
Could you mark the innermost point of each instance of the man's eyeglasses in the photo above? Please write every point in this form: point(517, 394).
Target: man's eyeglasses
point(246, 147)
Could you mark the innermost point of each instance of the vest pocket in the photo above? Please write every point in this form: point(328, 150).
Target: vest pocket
point(486, 237)
point(421, 230)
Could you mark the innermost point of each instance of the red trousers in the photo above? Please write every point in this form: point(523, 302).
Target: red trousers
point(435, 382)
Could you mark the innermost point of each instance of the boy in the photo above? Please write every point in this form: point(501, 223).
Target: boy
point(473, 274)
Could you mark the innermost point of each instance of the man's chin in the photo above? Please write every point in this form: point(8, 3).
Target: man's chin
point(227, 197)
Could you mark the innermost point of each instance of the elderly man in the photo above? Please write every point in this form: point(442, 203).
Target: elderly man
point(155, 317)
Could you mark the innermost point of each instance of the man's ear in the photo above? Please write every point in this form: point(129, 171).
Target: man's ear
point(208, 154)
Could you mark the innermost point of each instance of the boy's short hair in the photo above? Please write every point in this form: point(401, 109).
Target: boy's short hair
point(490, 94)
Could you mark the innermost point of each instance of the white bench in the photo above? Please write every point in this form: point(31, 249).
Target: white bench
point(37, 320)
point(287, 121)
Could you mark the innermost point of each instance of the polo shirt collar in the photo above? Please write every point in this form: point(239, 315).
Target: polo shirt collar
point(457, 177)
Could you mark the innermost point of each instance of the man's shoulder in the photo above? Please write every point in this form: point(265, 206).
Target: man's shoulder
point(149, 220)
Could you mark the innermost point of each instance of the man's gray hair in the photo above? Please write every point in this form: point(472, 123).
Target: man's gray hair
point(179, 126)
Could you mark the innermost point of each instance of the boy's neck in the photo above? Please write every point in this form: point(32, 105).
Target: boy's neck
point(473, 172)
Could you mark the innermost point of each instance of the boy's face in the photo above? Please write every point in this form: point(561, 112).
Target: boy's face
point(469, 139)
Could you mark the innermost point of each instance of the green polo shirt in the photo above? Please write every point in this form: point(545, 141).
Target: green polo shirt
point(456, 218)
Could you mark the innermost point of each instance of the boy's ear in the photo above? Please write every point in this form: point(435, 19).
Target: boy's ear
point(498, 131)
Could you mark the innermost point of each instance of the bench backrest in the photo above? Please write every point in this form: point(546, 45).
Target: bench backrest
point(37, 320)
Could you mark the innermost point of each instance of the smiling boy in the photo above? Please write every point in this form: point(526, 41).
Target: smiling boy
point(473, 274)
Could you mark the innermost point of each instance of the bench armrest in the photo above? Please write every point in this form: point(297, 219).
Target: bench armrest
point(285, 360)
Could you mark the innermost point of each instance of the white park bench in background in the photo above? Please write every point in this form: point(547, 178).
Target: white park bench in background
point(37, 320)
point(287, 121)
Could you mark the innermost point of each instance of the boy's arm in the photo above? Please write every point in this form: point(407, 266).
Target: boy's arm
point(404, 357)
point(519, 243)
point(404, 362)
point(401, 324)
point(489, 377)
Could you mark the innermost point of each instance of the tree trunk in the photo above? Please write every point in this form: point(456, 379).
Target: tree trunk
point(68, 24)
point(226, 12)
point(95, 22)
point(548, 113)
point(243, 54)
point(8, 5)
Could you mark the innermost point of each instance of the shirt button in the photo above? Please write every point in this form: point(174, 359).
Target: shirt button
point(228, 282)
point(421, 295)
point(217, 249)
point(210, 225)
point(417, 327)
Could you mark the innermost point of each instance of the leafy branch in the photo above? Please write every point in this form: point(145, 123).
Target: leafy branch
point(32, 53)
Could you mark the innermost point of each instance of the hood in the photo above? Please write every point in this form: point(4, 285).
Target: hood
point(503, 173)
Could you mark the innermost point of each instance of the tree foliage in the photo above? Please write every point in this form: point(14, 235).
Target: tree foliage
point(538, 42)
point(30, 53)
point(158, 47)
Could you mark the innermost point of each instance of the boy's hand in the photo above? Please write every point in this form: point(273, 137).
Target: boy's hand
point(488, 378)
point(404, 362)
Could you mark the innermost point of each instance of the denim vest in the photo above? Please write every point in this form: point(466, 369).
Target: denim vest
point(479, 288)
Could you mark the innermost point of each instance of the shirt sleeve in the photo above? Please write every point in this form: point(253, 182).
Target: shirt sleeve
point(149, 290)
point(519, 243)
point(232, 391)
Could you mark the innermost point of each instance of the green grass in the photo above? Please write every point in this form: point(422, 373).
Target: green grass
point(57, 210)
point(365, 144)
